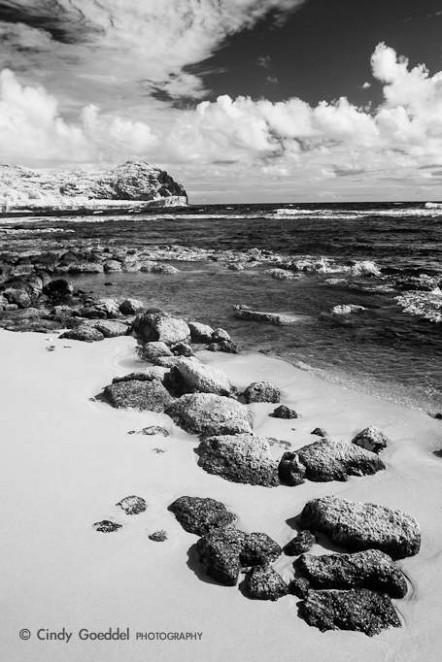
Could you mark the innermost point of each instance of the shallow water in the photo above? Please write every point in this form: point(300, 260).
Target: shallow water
point(383, 349)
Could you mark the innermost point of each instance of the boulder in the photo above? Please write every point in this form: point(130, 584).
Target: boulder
point(284, 412)
point(111, 328)
point(226, 346)
point(196, 377)
point(182, 349)
point(241, 458)
point(131, 307)
point(153, 372)
point(327, 460)
point(220, 335)
point(200, 516)
point(360, 610)
point(155, 325)
point(224, 552)
point(200, 333)
point(166, 269)
point(84, 332)
point(368, 569)
point(132, 505)
point(17, 296)
point(291, 471)
point(277, 319)
point(303, 542)
point(372, 439)
point(264, 583)
point(108, 306)
point(151, 351)
point(111, 266)
point(210, 414)
point(60, 288)
point(262, 392)
point(358, 526)
point(136, 394)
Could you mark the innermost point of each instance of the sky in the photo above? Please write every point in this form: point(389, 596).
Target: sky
point(240, 100)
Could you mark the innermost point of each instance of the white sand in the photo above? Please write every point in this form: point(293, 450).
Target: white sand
point(66, 461)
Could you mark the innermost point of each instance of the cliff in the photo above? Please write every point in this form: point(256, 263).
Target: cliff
point(132, 185)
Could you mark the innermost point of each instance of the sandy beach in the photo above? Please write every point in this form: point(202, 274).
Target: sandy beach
point(67, 460)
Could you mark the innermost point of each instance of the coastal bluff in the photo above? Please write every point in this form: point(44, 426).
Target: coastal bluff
point(131, 186)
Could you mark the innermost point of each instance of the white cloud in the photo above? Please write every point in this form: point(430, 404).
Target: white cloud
point(242, 144)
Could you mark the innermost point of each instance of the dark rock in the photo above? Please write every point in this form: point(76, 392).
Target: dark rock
point(284, 412)
point(360, 610)
point(60, 288)
point(241, 458)
point(336, 460)
point(143, 395)
point(299, 587)
point(182, 349)
point(106, 526)
point(264, 583)
point(158, 536)
point(438, 416)
point(131, 307)
point(319, 432)
point(372, 439)
point(262, 392)
point(132, 505)
point(291, 471)
point(225, 551)
point(369, 569)
point(84, 333)
point(303, 542)
point(210, 414)
point(358, 526)
point(151, 351)
point(200, 516)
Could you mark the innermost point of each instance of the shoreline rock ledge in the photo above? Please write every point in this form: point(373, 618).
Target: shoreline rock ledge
point(131, 185)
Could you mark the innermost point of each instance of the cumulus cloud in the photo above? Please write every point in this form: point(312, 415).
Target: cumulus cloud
point(332, 143)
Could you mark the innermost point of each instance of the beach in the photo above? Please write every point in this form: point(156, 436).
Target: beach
point(68, 459)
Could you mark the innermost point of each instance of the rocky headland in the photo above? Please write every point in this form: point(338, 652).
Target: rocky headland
point(131, 186)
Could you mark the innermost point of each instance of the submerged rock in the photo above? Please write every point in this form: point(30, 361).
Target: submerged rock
point(210, 414)
point(262, 392)
point(132, 505)
point(303, 542)
point(106, 526)
point(258, 316)
point(241, 458)
point(264, 583)
point(368, 569)
point(372, 439)
point(136, 394)
point(358, 526)
point(200, 516)
point(284, 412)
point(360, 610)
point(336, 460)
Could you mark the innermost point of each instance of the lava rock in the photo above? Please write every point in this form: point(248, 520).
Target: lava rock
point(291, 471)
point(284, 412)
point(299, 587)
point(241, 458)
point(360, 610)
point(303, 542)
point(106, 526)
point(336, 460)
point(259, 549)
point(136, 394)
point(358, 526)
point(132, 505)
point(200, 516)
point(262, 392)
point(264, 583)
point(372, 439)
point(210, 414)
point(368, 569)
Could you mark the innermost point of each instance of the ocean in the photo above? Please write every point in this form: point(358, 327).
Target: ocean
point(385, 258)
